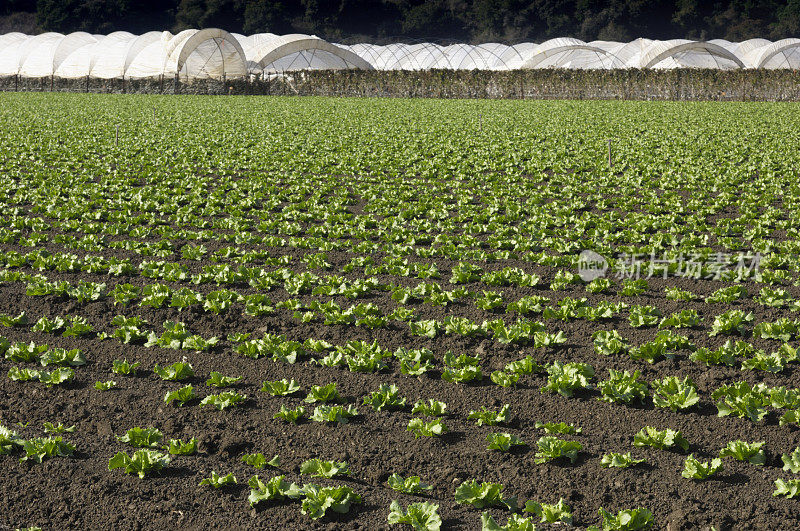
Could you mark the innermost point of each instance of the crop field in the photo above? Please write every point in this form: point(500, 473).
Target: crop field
point(285, 313)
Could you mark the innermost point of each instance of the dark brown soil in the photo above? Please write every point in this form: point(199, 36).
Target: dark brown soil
point(81, 493)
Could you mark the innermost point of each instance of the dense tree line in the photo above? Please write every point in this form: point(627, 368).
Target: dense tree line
point(439, 20)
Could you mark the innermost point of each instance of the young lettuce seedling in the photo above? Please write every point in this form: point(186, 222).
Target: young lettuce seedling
point(224, 400)
point(318, 500)
point(556, 513)
point(558, 427)
point(281, 387)
point(503, 441)
point(274, 489)
point(742, 451)
point(216, 379)
point(142, 437)
point(323, 393)
point(482, 495)
point(419, 515)
point(409, 485)
point(617, 460)
point(142, 462)
point(695, 469)
point(290, 415)
point(180, 396)
point(176, 372)
point(489, 417)
point(789, 488)
point(554, 448)
point(433, 408)
point(50, 428)
point(337, 414)
point(124, 367)
point(515, 522)
point(326, 469)
point(420, 428)
point(178, 447)
point(624, 520)
point(259, 461)
point(39, 448)
point(386, 397)
point(662, 440)
point(218, 481)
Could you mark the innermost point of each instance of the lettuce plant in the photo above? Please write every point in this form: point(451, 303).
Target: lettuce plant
point(259, 461)
point(224, 400)
point(180, 396)
point(323, 393)
point(9, 441)
point(622, 387)
point(741, 400)
point(275, 488)
point(791, 462)
point(40, 448)
point(695, 469)
point(742, 451)
point(503, 441)
point(325, 469)
point(662, 440)
point(489, 417)
point(318, 500)
point(105, 386)
point(422, 516)
point(556, 513)
point(281, 387)
point(565, 378)
point(526, 365)
point(674, 393)
point(624, 520)
point(433, 408)
point(608, 342)
point(643, 316)
point(386, 397)
point(142, 437)
point(216, 379)
point(63, 357)
point(730, 322)
point(180, 370)
point(409, 485)
point(178, 447)
point(290, 415)
point(554, 448)
point(414, 362)
point(51, 428)
point(124, 367)
point(218, 481)
point(482, 495)
point(789, 488)
point(420, 428)
point(142, 462)
point(337, 414)
point(557, 427)
point(515, 522)
point(618, 460)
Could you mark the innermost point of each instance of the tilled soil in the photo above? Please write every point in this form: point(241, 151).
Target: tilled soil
point(81, 492)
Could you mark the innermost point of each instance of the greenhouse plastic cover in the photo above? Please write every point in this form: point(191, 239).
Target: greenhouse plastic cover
point(217, 54)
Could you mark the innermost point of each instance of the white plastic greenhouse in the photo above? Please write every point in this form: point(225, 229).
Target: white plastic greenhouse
point(217, 54)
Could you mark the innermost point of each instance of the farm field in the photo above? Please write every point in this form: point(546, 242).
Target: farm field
point(364, 288)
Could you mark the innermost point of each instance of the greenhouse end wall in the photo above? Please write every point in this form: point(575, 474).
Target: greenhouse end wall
point(629, 84)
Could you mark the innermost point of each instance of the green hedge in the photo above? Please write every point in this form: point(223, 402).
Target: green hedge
point(684, 84)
